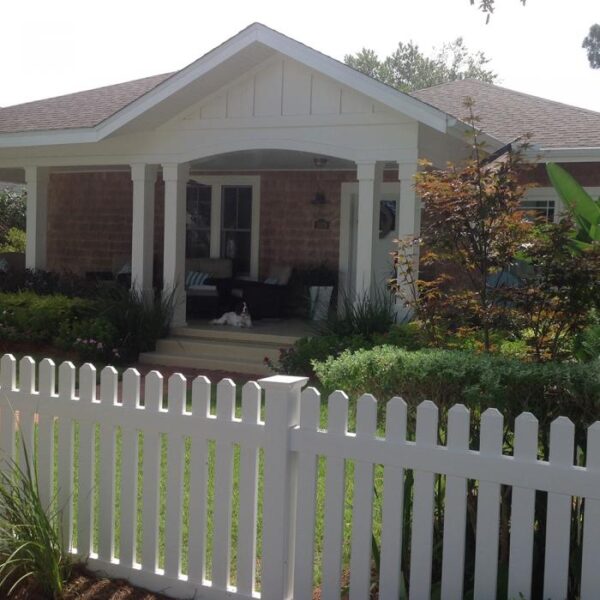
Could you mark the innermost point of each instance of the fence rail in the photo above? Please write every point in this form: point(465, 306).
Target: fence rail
point(158, 470)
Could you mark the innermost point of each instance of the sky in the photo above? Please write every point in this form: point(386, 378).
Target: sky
point(49, 48)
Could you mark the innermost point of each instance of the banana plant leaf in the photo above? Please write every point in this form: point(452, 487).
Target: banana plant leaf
point(583, 208)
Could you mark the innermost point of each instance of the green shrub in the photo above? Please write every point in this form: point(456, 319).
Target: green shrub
point(139, 322)
point(94, 339)
point(115, 326)
point(26, 316)
point(406, 335)
point(14, 241)
point(298, 360)
point(479, 381)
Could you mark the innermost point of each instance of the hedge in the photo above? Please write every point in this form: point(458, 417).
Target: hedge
point(479, 381)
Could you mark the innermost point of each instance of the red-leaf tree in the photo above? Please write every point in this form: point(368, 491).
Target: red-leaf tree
point(473, 228)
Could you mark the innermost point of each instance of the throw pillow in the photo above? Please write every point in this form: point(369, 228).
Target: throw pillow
point(195, 278)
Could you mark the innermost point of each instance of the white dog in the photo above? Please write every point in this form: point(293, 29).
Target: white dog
point(235, 319)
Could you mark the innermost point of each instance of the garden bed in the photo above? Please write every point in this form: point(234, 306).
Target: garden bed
point(85, 585)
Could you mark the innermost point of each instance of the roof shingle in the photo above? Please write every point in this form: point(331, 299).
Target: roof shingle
point(506, 114)
point(82, 109)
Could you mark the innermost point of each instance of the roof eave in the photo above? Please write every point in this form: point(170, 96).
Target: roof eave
point(53, 137)
point(566, 154)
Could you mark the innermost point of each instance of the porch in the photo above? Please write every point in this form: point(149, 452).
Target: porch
point(200, 345)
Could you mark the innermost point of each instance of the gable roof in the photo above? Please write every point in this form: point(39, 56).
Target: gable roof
point(95, 114)
point(507, 114)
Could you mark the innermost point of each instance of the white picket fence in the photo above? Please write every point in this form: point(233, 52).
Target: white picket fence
point(291, 442)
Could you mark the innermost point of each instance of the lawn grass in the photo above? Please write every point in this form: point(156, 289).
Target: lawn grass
point(319, 522)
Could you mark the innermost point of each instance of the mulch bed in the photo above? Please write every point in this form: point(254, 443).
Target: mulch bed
point(85, 585)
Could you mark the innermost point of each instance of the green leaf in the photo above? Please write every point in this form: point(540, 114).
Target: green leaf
point(581, 205)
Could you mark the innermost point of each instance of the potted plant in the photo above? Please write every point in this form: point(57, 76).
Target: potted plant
point(321, 280)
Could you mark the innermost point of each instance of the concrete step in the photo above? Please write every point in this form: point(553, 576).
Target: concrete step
point(227, 350)
point(216, 332)
point(215, 348)
point(207, 364)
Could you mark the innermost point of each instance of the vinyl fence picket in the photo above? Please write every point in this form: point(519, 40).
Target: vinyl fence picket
point(129, 468)
point(362, 505)
point(8, 383)
point(248, 495)
point(558, 515)
point(488, 511)
point(109, 381)
point(153, 394)
point(455, 509)
point(522, 513)
point(45, 453)
point(393, 506)
point(335, 485)
point(422, 522)
point(177, 401)
point(26, 415)
point(590, 563)
point(66, 394)
point(87, 396)
point(221, 557)
point(198, 484)
point(304, 550)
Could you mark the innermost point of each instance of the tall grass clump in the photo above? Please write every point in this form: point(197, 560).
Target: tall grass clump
point(364, 314)
point(31, 550)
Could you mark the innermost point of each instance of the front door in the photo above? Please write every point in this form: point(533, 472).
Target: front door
point(222, 221)
point(236, 226)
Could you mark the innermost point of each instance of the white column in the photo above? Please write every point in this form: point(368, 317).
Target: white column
point(409, 215)
point(369, 192)
point(142, 234)
point(175, 177)
point(37, 217)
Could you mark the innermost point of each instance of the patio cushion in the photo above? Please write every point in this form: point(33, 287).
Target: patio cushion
point(195, 278)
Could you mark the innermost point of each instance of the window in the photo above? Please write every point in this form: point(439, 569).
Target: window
point(542, 209)
point(198, 220)
point(387, 218)
point(236, 226)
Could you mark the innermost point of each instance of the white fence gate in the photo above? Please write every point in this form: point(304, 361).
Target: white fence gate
point(290, 441)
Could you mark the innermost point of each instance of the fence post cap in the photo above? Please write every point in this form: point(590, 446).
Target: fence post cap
point(282, 381)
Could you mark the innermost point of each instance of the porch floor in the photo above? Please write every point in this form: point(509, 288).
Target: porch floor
point(289, 329)
point(200, 345)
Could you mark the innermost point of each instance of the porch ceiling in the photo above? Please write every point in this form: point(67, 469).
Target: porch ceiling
point(248, 160)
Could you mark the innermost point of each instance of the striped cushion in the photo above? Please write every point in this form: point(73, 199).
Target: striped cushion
point(195, 278)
